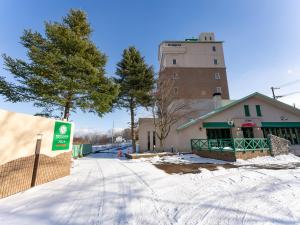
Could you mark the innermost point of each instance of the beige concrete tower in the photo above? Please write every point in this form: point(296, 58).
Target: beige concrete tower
point(197, 65)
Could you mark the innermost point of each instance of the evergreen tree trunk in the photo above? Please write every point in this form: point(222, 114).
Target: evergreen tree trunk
point(132, 127)
point(67, 110)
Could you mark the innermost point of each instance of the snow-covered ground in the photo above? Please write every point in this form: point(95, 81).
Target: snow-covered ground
point(105, 190)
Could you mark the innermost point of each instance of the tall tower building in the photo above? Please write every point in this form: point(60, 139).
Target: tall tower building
point(197, 66)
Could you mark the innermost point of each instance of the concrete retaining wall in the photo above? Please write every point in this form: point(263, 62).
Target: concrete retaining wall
point(232, 156)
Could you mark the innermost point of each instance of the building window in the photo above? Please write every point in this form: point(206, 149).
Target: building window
point(218, 89)
point(217, 76)
point(148, 143)
point(214, 48)
point(258, 110)
point(209, 38)
point(176, 90)
point(222, 133)
point(174, 62)
point(289, 133)
point(154, 141)
point(215, 61)
point(247, 111)
point(205, 38)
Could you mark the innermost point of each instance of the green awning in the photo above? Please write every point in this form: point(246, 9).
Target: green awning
point(217, 125)
point(280, 124)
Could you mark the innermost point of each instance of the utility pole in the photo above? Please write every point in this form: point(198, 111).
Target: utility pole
point(112, 133)
point(274, 96)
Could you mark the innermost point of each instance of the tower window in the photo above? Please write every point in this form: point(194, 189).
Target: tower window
point(174, 62)
point(205, 38)
point(218, 89)
point(176, 90)
point(217, 76)
point(214, 48)
point(215, 61)
point(175, 76)
point(209, 38)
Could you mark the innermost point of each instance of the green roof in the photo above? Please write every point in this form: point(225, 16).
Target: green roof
point(221, 109)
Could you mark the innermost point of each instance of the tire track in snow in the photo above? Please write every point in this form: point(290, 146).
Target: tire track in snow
point(158, 209)
point(98, 219)
point(77, 201)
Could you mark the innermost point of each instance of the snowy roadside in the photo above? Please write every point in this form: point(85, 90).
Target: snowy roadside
point(280, 159)
point(180, 159)
point(192, 158)
point(103, 189)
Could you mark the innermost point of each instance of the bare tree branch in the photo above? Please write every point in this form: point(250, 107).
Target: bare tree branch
point(165, 108)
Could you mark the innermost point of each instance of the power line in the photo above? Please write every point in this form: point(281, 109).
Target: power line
point(284, 85)
point(289, 83)
point(288, 94)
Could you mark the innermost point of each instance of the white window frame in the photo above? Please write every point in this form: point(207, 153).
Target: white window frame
point(217, 76)
point(175, 76)
point(174, 60)
point(219, 89)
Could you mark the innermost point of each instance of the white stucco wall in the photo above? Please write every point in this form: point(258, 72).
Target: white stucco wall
point(18, 135)
point(193, 55)
point(181, 140)
point(270, 113)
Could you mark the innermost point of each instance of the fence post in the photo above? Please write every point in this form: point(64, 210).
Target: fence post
point(36, 159)
point(233, 144)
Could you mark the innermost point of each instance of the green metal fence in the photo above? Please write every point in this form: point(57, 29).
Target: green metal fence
point(234, 144)
point(81, 150)
point(76, 152)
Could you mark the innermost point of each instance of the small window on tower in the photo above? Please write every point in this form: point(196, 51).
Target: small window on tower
point(175, 76)
point(174, 62)
point(217, 76)
point(209, 38)
point(176, 90)
point(218, 89)
point(215, 61)
point(205, 38)
point(214, 48)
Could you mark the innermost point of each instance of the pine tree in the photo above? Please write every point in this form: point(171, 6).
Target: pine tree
point(136, 80)
point(65, 69)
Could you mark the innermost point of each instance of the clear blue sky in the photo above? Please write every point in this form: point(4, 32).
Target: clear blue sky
point(261, 39)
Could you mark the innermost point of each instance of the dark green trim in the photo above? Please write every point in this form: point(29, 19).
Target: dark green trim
point(280, 124)
point(217, 125)
point(258, 110)
point(247, 110)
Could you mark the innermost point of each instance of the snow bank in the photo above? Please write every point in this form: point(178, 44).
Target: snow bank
point(181, 159)
point(280, 159)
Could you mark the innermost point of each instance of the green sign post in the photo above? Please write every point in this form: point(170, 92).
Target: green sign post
point(61, 136)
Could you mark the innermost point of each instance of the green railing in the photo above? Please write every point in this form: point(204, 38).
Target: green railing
point(234, 144)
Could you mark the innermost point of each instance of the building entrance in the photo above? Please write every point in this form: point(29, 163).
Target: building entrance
point(248, 132)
